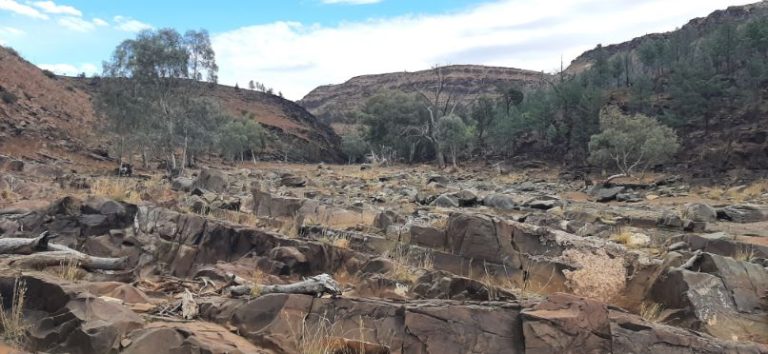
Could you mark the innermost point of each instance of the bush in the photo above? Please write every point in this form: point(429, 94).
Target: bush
point(354, 147)
point(629, 142)
point(8, 98)
point(50, 74)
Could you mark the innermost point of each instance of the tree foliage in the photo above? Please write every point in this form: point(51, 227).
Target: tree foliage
point(631, 141)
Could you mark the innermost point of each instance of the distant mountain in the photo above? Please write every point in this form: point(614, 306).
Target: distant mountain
point(334, 103)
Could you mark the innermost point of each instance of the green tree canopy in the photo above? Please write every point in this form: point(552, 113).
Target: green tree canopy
point(631, 141)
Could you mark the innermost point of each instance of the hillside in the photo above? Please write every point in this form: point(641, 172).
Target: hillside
point(333, 103)
point(707, 79)
point(38, 109)
point(697, 28)
point(308, 139)
point(35, 105)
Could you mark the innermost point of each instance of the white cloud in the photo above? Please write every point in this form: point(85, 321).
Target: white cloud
point(77, 24)
point(71, 70)
point(13, 6)
point(130, 25)
point(100, 22)
point(295, 57)
point(6, 33)
point(351, 2)
point(51, 8)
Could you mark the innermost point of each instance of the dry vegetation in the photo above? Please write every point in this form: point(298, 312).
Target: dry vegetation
point(598, 275)
point(312, 334)
point(14, 330)
point(738, 194)
point(651, 311)
point(70, 270)
point(404, 263)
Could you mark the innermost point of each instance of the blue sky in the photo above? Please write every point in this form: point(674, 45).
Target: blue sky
point(296, 45)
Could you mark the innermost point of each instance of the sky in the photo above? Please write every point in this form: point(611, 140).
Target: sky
point(294, 46)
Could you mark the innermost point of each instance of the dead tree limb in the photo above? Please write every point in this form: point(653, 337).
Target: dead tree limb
point(13, 245)
point(317, 286)
point(54, 258)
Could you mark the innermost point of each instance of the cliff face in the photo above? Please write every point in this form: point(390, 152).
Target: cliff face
point(334, 103)
point(38, 107)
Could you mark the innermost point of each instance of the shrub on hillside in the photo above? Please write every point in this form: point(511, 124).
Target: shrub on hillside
point(630, 142)
point(50, 74)
point(8, 97)
point(354, 147)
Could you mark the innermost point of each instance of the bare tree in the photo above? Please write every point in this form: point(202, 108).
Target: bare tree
point(440, 102)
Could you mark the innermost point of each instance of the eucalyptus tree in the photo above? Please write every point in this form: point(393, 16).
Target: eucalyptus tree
point(149, 90)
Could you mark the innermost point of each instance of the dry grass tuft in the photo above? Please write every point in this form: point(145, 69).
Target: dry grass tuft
point(651, 311)
point(624, 236)
point(70, 270)
point(312, 335)
point(745, 254)
point(120, 189)
point(234, 217)
point(597, 275)
point(14, 330)
point(402, 259)
point(737, 194)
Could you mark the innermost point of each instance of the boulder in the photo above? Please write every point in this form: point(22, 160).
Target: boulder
point(699, 212)
point(212, 180)
point(466, 198)
point(438, 179)
point(743, 213)
point(446, 201)
point(14, 165)
point(604, 194)
point(747, 282)
point(187, 338)
point(427, 236)
point(542, 204)
point(501, 201)
point(183, 184)
point(386, 218)
point(63, 320)
point(197, 204)
point(293, 181)
point(565, 323)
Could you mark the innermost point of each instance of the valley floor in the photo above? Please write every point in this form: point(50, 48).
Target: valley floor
point(480, 259)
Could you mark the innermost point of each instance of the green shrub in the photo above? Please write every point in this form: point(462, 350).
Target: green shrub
point(631, 142)
point(50, 74)
point(8, 98)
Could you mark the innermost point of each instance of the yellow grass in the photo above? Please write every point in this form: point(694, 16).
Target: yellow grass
point(121, 189)
point(312, 334)
point(402, 259)
point(745, 254)
point(14, 330)
point(624, 236)
point(70, 270)
point(651, 311)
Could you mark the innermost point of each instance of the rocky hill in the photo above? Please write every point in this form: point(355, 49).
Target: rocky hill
point(333, 103)
point(697, 27)
point(308, 139)
point(36, 104)
point(726, 130)
point(39, 108)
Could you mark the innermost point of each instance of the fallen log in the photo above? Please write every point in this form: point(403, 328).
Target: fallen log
point(317, 286)
point(13, 245)
point(54, 258)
